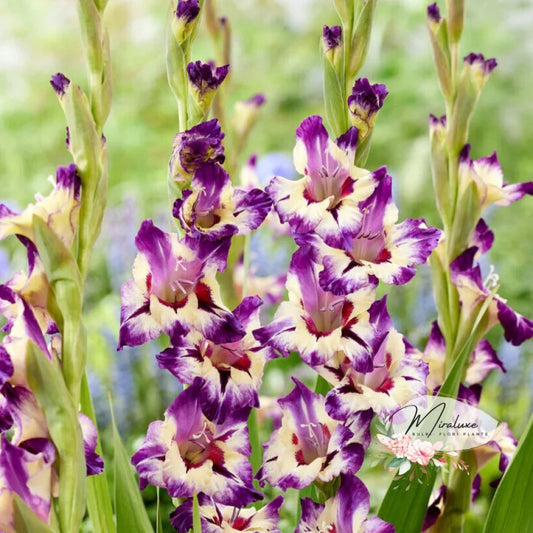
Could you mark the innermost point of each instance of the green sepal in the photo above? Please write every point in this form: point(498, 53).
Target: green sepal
point(47, 383)
point(91, 33)
point(129, 507)
point(177, 75)
point(439, 279)
point(334, 99)
point(456, 15)
point(465, 102)
point(84, 142)
point(59, 263)
point(345, 9)
point(26, 521)
point(510, 510)
point(466, 217)
point(438, 33)
point(363, 150)
point(64, 278)
point(360, 38)
point(439, 168)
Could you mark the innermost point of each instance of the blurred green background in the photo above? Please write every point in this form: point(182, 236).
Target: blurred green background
point(276, 52)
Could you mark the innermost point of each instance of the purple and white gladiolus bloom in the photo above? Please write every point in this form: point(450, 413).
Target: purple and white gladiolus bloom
point(26, 470)
point(487, 175)
point(214, 210)
point(318, 324)
point(195, 148)
point(326, 200)
point(188, 453)
point(473, 291)
point(59, 210)
point(310, 445)
point(174, 289)
point(218, 518)
point(346, 512)
point(398, 373)
point(231, 372)
point(380, 249)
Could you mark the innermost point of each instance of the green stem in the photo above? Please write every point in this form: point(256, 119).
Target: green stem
point(196, 520)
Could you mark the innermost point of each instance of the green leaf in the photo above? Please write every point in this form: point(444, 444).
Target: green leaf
point(334, 100)
point(196, 520)
point(510, 510)
point(129, 506)
point(26, 521)
point(98, 496)
point(46, 380)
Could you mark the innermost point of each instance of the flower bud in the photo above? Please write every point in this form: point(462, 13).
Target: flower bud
point(439, 163)
point(246, 113)
point(332, 44)
point(185, 20)
point(344, 9)
point(437, 26)
point(361, 36)
point(191, 149)
point(364, 103)
point(204, 80)
point(60, 83)
point(476, 70)
point(456, 10)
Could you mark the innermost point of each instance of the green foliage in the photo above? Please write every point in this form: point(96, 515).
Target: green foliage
point(509, 511)
point(129, 507)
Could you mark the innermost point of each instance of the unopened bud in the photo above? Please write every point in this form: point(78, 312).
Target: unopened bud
point(185, 20)
point(476, 70)
point(204, 80)
point(456, 15)
point(246, 114)
point(361, 36)
point(439, 164)
point(332, 44)
point(438, 33)
point(364, 103)
point(60, 83)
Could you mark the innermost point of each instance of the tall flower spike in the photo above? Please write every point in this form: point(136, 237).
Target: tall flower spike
point(194, 148)
point(311, 446)
point(364, 103)
point(326, 200)
point(174, 289)
point(188, 453)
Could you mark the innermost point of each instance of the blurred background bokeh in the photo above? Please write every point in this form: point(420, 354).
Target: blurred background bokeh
point(276, 52)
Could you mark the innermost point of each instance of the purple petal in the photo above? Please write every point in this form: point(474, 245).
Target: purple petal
point(95, 464)
point(332, 37)
point(60, 83)
point(517, 328)
point(483, 237)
